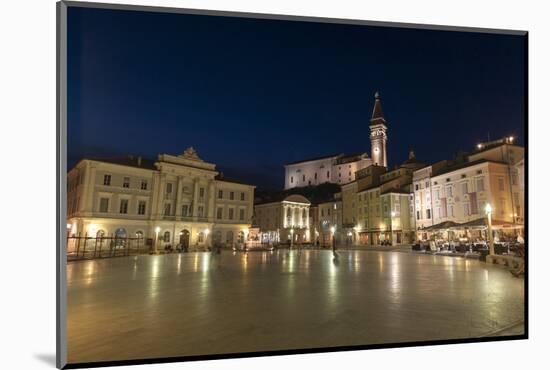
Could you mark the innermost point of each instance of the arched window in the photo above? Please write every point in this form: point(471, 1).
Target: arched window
point(217, 237)
point(120, 237)
point(166, 237)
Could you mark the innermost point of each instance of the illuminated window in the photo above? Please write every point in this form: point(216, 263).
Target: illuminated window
point(141, 207)
point(123, 206)
point(104, 205)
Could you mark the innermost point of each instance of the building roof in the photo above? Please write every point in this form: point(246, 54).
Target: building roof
point(377, 113)
point(315, 159)
point(149, 164)
point(396, 191)
point(130, 161)
point(222, 177)
point(314, 193)
point(462, 165)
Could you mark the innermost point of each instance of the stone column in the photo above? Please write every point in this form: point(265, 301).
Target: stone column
point(195, 197)
point(211, 195)
point(87, 200)
point(179, 196)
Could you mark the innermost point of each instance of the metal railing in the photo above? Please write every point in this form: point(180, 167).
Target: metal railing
point(88, 247)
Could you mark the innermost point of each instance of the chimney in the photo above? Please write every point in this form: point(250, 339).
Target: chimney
point(139, 161)
point(411, 154)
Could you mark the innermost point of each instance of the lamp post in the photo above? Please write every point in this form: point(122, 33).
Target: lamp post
point(291, 238)
point(157, 230)
point(333, 231)
point(206, 232)
point(488, 211)
point(392, 215)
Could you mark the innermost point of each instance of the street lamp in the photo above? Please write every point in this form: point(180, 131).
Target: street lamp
point(333, 231)
point(291, 238)
point(157, 230)
point(392, 214)
point(488, 211)
point(206, 232)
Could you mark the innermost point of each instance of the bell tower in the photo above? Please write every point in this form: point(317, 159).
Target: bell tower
point(378, 136)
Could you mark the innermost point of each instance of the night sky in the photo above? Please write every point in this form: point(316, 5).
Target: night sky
point(251, 95)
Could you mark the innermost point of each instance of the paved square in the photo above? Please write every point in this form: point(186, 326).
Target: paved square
point(198, 303)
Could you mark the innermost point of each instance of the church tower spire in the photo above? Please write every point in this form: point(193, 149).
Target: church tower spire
point(378, 135)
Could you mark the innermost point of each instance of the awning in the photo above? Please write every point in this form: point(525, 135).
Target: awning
point(445, 225)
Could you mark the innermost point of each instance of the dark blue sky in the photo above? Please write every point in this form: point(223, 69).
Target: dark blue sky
point(251, 95)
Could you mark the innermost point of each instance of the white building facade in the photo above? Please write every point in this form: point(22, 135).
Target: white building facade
point(340, 169)
point(173, 200)
point(285, 220)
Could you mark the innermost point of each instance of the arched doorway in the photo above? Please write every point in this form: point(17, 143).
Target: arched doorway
point(217, 238)
point(184, 239)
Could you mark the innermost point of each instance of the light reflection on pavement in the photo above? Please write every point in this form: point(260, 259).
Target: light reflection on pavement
point(198, 303)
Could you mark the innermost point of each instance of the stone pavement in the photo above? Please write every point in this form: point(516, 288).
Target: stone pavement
point(199, 303)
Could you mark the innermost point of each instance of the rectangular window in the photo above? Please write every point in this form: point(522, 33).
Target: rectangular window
point(328, 174)
point(168, 188)
point(450, 211)
point(231, 195)
point(167, 209)
point(304, 178)
point(126, 182)
point(418, 215)
point(124, 206)
point(219, 213)
point(220, 194)
point(143, 185)
point(201, 192)
point(241, 214)
point(315, 175)
point(466, 209)
point(104, 205)
point(242, 196)
point(141, 207)
point(449, 191)
point(427, 184)
point(480, 184)
point(185, 210)
point(231, 210)
point(291, 179)
point(501, 183)
point(428, 213)
point(107, 180)
point(464, 188)
point(437, 195)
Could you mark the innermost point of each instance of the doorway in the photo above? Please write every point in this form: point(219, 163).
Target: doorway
point(184, 238)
